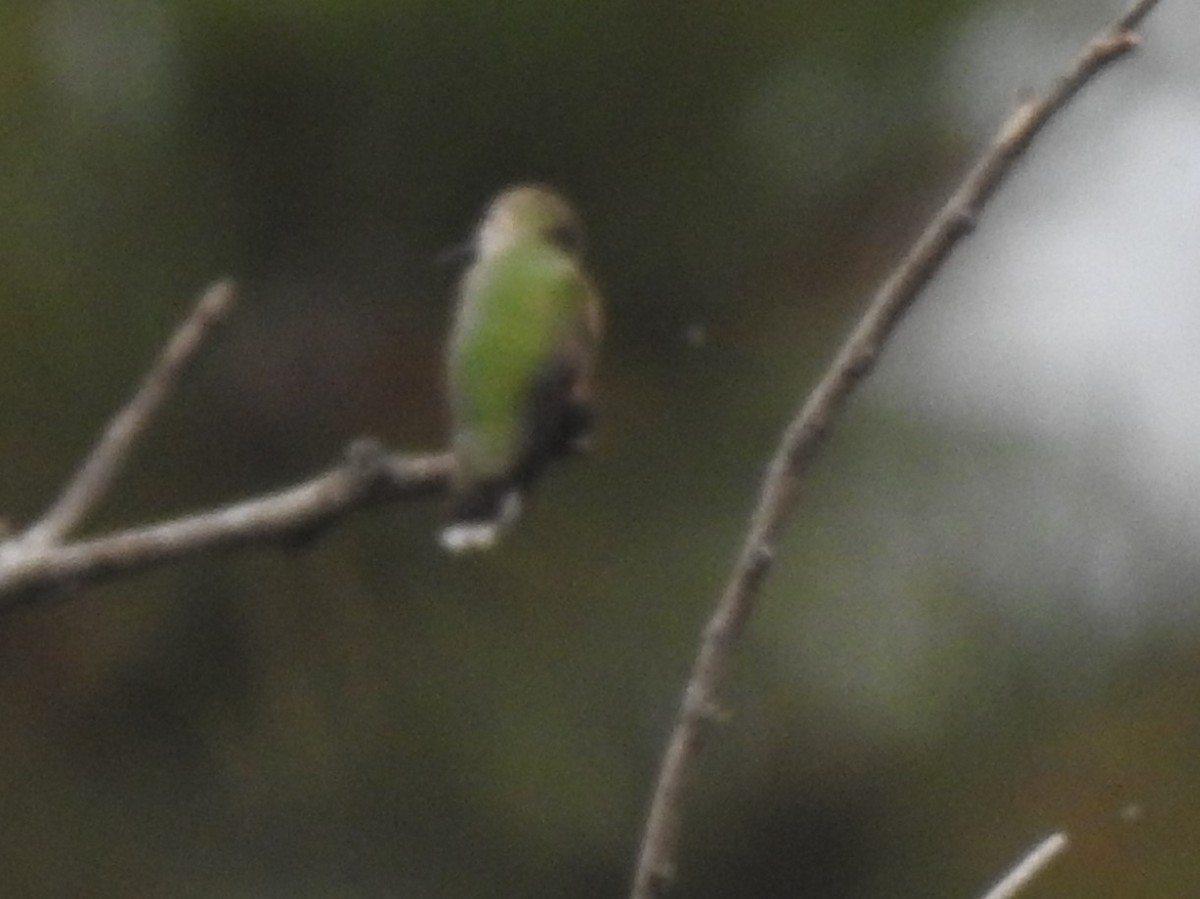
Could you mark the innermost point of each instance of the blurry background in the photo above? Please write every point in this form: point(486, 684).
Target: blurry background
point(983, 627)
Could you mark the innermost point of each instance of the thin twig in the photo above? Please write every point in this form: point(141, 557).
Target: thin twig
point(92, 480)
point(30, 573)
point(1029, 867)
point(804, 434)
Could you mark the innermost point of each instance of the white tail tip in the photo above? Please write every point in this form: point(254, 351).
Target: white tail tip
point(470, 536)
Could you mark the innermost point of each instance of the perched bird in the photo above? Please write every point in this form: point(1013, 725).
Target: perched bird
point(520, 360)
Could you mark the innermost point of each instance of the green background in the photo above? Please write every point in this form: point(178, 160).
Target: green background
point(926, 690)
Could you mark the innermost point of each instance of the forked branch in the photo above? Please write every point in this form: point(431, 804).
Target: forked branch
point(92, 480)
point(37, 564)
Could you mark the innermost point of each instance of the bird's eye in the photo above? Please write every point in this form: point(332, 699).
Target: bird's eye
point(567, 236)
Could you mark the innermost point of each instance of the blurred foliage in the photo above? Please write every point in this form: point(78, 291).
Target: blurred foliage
point(365, 717)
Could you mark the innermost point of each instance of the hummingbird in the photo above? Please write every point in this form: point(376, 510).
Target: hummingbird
point(520, 360)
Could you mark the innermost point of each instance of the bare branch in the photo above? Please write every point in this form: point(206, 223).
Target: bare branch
point(92, 480)
point(806, 432)
point(1137, 13)
point(34, 572)
point(1034, 862)
point(36, 565)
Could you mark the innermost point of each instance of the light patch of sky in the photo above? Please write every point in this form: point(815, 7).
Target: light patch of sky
point(1073, 313)
point(1056, 361)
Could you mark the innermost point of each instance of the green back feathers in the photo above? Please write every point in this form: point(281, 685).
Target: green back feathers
point(521, 311)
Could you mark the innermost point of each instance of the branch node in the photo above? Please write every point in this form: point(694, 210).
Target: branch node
point(1115, 44)
point(761, 559)
point(963, 219)
point(701, 707)
point(365, 457)
point(860, 362)
point(660, 880)
point(1019, 126)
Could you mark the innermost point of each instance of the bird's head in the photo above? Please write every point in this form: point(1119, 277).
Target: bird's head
point(530, 212)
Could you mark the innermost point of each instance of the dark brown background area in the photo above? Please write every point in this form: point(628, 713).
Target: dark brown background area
point(930, 687)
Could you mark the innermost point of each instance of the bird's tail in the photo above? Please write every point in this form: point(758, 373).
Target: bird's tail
point(479, 514)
